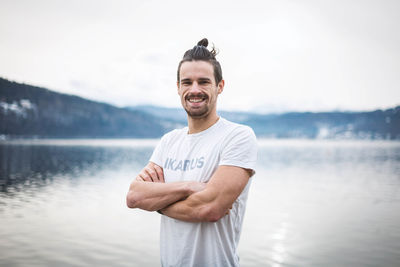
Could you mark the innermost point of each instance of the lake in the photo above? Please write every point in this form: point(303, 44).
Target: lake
point(311, 203)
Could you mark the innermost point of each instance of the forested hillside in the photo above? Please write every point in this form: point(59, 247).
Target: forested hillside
point(28, 111)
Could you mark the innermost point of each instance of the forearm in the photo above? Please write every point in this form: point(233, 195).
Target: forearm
point(183, 212)
point(198, 207)
point(212, 203)
point(154, 196)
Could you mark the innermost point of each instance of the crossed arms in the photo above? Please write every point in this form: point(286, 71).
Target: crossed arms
point(189, 201)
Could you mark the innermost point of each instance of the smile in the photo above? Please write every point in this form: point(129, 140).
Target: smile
point(196, 99)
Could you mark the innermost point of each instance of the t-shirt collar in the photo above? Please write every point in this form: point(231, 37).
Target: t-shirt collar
point(208, 130)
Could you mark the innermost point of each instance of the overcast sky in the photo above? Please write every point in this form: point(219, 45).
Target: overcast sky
point(275, 55)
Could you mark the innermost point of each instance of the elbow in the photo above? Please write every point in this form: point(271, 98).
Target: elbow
point(132, 199)
point(212, 214)
point(135, 200)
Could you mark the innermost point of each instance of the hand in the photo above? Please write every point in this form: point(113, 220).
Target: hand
point(227, 212)
point(151, 173)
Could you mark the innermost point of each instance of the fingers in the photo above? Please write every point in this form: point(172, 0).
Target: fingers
point(228, 211)
point(160, 173)
point(138, 178)
point(145, 176)
point(152, 173)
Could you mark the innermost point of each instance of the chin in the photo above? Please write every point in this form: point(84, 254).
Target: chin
point(197, 114)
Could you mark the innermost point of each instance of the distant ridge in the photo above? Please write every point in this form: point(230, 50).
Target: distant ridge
point(33, 112)
point(377, 125)
point(30, 111)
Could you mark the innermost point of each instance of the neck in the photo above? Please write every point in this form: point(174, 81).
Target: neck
point(197, 125)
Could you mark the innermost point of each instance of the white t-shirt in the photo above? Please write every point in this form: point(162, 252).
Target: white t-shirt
point(188, 157)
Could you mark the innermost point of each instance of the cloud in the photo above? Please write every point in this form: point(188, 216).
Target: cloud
point(307, 55)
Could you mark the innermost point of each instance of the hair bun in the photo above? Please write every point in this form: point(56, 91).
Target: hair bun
point(203, 42)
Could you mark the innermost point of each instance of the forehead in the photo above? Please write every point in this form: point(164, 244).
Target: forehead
point(196, 69)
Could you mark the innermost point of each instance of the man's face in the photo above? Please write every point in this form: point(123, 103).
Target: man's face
point(197, 88)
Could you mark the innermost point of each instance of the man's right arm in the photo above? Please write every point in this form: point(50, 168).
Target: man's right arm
point(149, 191)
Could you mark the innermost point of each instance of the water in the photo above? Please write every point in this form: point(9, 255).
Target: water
point(311, 203)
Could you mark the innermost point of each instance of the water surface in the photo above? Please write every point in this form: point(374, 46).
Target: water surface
point(311, 203)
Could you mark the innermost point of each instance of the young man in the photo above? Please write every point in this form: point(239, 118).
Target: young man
point(198, 176)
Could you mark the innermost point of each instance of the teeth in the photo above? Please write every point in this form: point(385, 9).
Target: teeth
point(195, 100)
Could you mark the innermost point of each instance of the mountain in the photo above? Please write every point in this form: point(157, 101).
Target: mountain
point(29, 111)
point(173, 114)
point(179, 115)
point(378, 124)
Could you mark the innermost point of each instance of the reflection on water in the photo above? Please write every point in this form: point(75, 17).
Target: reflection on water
point(312, 203)
point(38, 161)
point(64, 205)
point(324, 204)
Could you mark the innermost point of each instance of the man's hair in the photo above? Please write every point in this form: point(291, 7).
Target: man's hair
point(200, 52)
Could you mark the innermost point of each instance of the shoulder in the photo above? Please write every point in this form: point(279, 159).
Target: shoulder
point(173, 135)
point(238, 136)
point(233, 129)
point(239, 147)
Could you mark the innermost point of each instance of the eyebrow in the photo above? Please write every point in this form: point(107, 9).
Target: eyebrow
point(204, 79)
point(201, 79)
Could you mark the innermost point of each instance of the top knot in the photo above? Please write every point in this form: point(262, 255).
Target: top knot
point(203, 42)
point(200, 52)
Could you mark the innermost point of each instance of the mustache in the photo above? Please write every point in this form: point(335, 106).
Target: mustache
point(196, 95)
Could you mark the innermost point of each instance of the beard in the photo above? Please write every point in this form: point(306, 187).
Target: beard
point(197, 113)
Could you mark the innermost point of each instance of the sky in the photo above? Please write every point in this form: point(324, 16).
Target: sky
point(276, 56)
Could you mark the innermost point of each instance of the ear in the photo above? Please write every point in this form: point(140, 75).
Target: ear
point(177, 86)
point(221, 85)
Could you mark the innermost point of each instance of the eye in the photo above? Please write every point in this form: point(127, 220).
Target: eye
point(204, 82)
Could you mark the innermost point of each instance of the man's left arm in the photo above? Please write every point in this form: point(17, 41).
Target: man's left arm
point(212, 203)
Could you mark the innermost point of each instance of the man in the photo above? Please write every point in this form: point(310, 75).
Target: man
point(198, 176)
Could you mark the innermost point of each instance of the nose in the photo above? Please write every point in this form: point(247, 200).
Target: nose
point(195, 88)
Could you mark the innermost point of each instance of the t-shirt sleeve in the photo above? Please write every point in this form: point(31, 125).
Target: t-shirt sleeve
point(156, 157)
point(240, 149)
